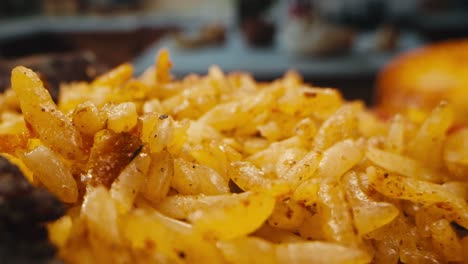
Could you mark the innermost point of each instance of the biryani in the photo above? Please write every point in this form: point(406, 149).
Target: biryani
point(223, 169)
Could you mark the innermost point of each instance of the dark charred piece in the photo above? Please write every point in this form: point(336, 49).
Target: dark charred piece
point(459, 230)
point(24, 210)
point(234, 188)
point(109, 155)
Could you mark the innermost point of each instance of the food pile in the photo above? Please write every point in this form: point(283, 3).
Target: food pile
point(223, 169)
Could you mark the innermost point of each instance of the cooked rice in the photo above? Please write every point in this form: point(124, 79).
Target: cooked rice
point(222, 169)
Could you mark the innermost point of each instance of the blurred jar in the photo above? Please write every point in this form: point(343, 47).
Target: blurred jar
point(307, 33)
point(257, 29)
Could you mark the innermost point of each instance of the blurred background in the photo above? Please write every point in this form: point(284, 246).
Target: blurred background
point(333, 43)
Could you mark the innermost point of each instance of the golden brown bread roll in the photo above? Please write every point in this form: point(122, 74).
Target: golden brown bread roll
point(423, 77)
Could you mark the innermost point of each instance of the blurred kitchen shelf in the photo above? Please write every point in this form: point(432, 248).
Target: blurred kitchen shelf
point(114, 39)
point(23, 26)
point(265, 63)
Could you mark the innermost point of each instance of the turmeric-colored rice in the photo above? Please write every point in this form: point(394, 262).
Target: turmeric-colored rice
point(222, 169)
